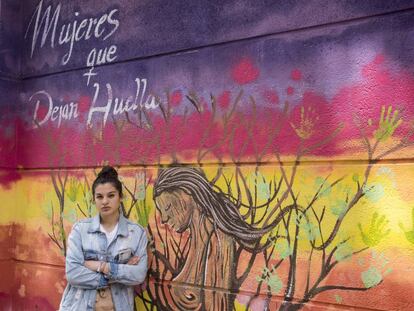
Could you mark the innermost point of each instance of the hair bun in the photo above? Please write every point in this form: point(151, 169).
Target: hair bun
point(107, 175)
point(108, 171)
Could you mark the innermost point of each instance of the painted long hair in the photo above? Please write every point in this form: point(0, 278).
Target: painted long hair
point(214, 204)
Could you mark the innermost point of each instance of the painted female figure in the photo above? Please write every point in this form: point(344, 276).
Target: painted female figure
point(187, 201)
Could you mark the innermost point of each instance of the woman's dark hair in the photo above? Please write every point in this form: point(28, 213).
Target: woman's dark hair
point(107, 175)
point(215, 204)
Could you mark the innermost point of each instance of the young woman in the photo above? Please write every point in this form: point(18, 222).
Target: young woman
point(106, 254)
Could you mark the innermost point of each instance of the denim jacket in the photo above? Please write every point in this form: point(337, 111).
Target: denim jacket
point(87, 242)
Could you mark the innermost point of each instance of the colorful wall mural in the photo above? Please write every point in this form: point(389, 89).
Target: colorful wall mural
point(266, 148)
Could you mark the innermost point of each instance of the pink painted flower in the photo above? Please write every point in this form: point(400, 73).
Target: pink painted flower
point(224, 99)
point(175, 98)
point(245, 72)
point(296, 75)
point(271, 97)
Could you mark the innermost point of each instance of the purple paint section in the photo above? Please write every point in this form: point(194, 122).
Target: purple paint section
point(9, 106)
point(10, 38)
point(145, 28)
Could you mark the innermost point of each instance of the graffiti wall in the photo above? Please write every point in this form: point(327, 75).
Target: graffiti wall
point(265, 147)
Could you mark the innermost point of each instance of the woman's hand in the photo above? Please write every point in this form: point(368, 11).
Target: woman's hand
point(106, 266)
point(92, 264)
point(133, 260)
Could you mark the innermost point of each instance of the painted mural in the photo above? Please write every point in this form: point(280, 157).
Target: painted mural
point(271, 173)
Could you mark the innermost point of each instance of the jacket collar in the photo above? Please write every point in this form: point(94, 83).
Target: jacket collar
point(122, 225)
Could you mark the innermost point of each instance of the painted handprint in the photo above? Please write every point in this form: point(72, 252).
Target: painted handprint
point(409, 234)
point(376, 271)
point(271, 279)
point(258, 180)
point(309, 231)
point(283, 249)
point(373, 192)
point(339, 207)
point(140, 190)
point(388, 123)
point(371, 277)
point(376, 231)
point(306, 126)
point(74, 188)
point(344, 251)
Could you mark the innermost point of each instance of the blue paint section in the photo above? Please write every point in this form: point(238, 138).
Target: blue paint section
point(135, 29)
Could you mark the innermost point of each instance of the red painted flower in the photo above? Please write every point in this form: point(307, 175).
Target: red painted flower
point(290, 90)
point(41, 113)
point(245, 72)
point(296, 75)
point(379, 59)
point(271, 97)
point(84, 104)
point(175, 98)
point(224, 99)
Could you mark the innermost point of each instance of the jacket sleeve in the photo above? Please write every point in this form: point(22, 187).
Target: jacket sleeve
point(132, 274)
point(76, 273)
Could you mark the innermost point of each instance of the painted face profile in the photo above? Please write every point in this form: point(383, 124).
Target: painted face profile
point(176, 209)
point(107, 199)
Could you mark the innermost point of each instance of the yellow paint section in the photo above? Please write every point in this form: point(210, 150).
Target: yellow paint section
point(8, 205)
point(32, 197)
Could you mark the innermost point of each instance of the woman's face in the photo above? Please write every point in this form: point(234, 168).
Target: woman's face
point(176, 209)
point(107, 199)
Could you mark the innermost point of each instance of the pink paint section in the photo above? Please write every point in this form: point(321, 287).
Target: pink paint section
point(381, 87)
point(240, 136)
point(8, 177)
point(8, 138)
point(310, 122)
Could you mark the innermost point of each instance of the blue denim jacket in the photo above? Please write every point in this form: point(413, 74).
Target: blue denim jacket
point(87, 242)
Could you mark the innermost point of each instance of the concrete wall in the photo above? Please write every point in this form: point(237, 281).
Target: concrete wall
point(295, 117)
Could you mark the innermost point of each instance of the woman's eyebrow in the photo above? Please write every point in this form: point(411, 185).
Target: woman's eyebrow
point(110, 192)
